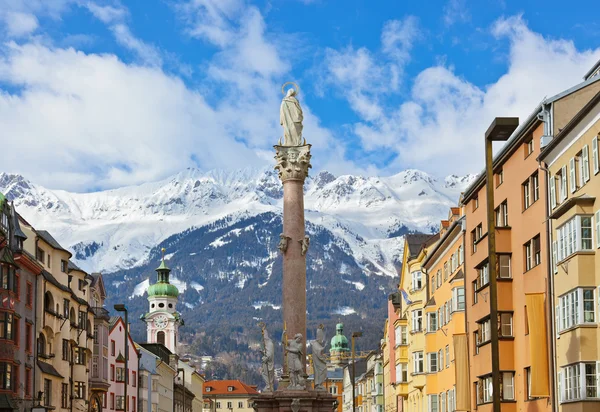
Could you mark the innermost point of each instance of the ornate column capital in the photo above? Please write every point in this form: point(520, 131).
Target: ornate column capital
point(293, 162)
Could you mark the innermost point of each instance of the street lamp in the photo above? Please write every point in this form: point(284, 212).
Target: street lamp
point(354, 335)
point(500, 130)
point(122, 308)
point(183, 370)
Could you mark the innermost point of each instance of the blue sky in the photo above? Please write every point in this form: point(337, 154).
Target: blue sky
point(100, 94)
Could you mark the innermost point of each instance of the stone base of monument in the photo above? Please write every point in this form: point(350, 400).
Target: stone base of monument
point(295, 401)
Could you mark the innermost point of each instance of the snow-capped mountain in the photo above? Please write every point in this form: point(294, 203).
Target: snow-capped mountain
point(116, 229)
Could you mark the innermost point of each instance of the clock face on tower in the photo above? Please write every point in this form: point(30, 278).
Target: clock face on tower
point(161, 321)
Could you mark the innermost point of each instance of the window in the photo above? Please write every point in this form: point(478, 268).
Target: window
point(502, 214)
point(504, 267)
point(112, 373)
point(506, 324)
point(484, 390)
point(526, 199)
point(112, 348)
point(432, 324)
point(417, 320)
point(532, 253)
point(40, 255)
point(484, 331)
point(418, 366)
point(447, 356)
point(120, 403)
point(112, 401)
point(29, 294)
point(529, 147)
point(229, 405)
point(442, 398)
point(598, 228)
point(65, 349)
point(47, 392)
point(82, 320)
point(458, 299)
point(332, 390)
point(507, 383)
point(576, 308)
point(79, 390)
point(571, 382)
point(417, 280)
point(133, 403)
point(499, 177)
point(461, 255)
point(572, 175)
point(475, 202)
point(133, 379)
point(120, 374)
point(80, 356)
point(432, 362)
point(573, 236)
point(595, 160)
point(445, 270)
point(240, 405)
point(6, 376)
point(433, 403)
point(6, 325)
point(552, 184)
point(563, 183)
point(439, 280)
point(218, 405)
point(28, 382)
point(81, 284)
point(475, 292)
point(400, 335)
point(584, 165)
point(401, 372)
point(535, 182)
point(440, 360)
point(64, 395)
point(63, 266)
point(476, 341)
point(432, 284)
point(483, 276)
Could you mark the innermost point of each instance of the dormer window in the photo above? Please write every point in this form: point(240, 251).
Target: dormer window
point(208, 389)
point(230, 388)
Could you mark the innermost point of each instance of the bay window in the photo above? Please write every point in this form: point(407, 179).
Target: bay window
point(417, 320)
point(433, 402)
point(506, 324)
point(504, 267)
point(507, 384)
point(418, 363)
point(417, 280)
point(432, 324)
point(576, 308)
point(432, 362)
point(573, 236)
point(401, 336)
point(502, 214)
point(6, 376)
point(458, 299)
point(401, 373)
point(6, 325)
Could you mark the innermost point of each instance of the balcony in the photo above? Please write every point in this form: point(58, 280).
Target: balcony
point(101, 313)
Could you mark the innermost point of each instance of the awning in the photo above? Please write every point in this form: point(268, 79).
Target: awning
point(461, 368)
point(538, 345)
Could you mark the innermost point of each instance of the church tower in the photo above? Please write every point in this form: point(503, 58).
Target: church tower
point(162, 319)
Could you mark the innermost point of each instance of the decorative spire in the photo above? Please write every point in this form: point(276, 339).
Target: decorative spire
point(163, 271)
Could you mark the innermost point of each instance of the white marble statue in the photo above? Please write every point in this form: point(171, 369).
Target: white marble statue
point(318, 358)
point(293, 350)
point(268, 367)
point(291, 117)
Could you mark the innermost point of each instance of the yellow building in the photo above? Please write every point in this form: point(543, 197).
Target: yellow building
point(572, 161)
point(444, 312)
point(413, 290)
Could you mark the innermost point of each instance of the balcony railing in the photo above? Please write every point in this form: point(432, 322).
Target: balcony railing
point(101, 312)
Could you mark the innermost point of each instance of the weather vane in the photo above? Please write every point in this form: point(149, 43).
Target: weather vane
point(163, 250)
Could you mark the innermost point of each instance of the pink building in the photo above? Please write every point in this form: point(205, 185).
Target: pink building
point(116, 369)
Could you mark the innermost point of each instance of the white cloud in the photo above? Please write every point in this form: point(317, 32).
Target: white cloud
point(456, 11)
point(107, 14)
point(446, 115)
point(213, 20)
point(19, 24)
point(398, 37)
point(18, 18)
point(146, 52)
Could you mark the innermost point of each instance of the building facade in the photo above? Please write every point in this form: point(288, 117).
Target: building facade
point(572, 162)
point(229, 396)
point(122, 373)
point(413, 290)
point(445, 313)
point(156, 379)
point(394, 350)
point(99, 379)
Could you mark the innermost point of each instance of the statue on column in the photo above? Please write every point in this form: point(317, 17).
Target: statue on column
point(305, 243)
point(291, 117)
point(293, 349)
point(268, 366)
point(283, 242)
point(318, 358)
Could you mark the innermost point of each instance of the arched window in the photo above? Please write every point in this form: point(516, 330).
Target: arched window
point(72, 317)
point(48, 302)
point(160, 337)
point(41, 345)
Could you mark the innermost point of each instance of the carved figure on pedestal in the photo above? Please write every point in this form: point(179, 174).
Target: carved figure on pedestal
point(268, 366)
point(318, 358)
point(291, 117)
point(293, 350)
point(305, 243)
point(283, 242)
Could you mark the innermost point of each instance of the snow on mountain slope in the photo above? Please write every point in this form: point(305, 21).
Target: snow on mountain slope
point(116, 229)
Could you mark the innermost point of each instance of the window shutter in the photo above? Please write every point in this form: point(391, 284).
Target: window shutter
point(572, 175)
point(598, 228)
point(563, 183)
point(595, 160)
point(555, 256)
point(560, 394)
point(597, 376)
point(557, 316)
point(552, 191)
point(585, 157)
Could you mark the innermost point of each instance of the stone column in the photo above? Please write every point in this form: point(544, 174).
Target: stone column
point(293, 163)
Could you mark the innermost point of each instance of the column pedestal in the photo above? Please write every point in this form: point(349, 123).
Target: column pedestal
point(295, 401)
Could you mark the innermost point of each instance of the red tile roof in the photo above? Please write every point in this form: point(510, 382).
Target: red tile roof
point(222, 388)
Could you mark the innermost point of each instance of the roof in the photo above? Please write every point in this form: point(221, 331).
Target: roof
point(443, 239)
point(591, 71)
point(459, 275)
point(51, 241)
point(48, 369)
point(360, 367)
point(571, 125)
point(16, 226)
point(72, 266)
point(415, 241)
point(221, 388)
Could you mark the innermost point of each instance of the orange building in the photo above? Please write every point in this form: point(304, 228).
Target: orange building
point(525, 353)
point(445, 313)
